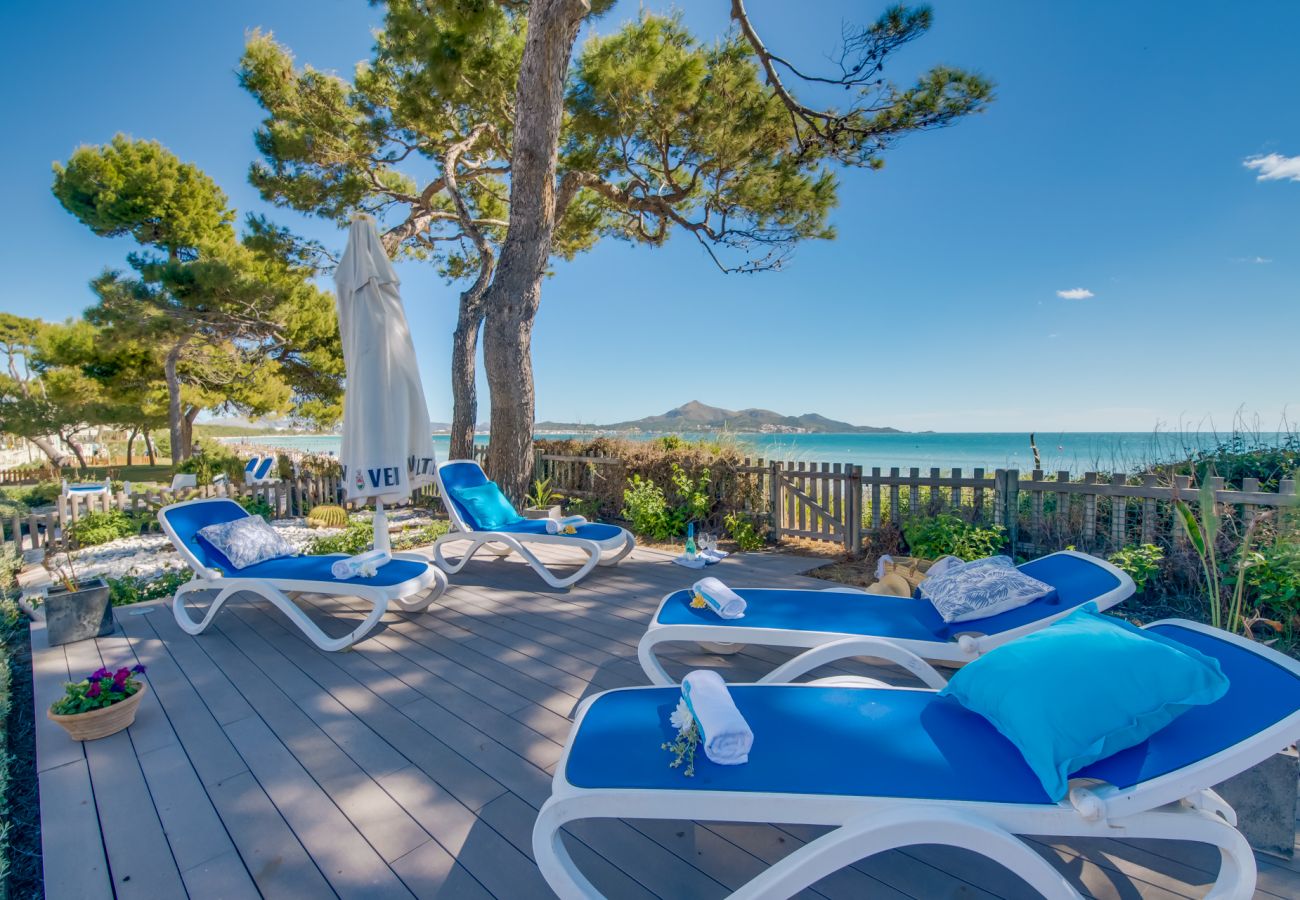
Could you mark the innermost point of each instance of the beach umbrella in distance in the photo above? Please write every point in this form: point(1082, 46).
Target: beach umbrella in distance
point(387, 442)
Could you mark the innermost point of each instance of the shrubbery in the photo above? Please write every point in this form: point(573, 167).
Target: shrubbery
point(101, 527)
point(139, 589)
point(950, 535)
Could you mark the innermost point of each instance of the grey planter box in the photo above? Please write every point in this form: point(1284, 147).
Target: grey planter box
point(1264, 799)
point(78, 615)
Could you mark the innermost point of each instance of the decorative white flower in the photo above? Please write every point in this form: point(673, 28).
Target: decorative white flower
point(681, 718)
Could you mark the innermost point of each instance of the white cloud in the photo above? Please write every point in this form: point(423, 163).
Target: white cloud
point(1254, 260)
point(1075, 294)
point(1274, 167)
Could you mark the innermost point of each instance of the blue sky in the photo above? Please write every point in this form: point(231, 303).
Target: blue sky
point(1113, 162)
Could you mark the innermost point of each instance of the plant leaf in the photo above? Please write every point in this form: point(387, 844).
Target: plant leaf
point(1188, 520)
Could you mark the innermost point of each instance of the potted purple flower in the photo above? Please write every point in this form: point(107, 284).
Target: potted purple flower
point(102, 704)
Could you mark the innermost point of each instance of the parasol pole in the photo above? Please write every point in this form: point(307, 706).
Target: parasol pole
point(382, 541)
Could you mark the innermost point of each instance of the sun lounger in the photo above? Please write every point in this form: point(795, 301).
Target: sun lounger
point(605, 545)
point(409, 581)
point(804, 618)
point(896, 767)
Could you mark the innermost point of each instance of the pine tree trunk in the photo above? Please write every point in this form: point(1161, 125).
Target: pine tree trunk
point(76, 449)
point(130, 444)
point(46, 446)
point(187, 431)
point(464, 392)
point(511, 301)
point(174, 401)
point(150, 449)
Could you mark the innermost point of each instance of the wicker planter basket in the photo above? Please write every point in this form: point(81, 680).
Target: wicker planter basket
point(98, 723)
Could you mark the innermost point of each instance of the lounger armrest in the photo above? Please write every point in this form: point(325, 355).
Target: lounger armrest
point(848, 648)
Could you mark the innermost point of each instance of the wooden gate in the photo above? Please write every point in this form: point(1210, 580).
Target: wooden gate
point(818, 501)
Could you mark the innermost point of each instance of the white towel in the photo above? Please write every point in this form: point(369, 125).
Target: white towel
point(562, 526)
point(711, 556)
point(360, 566)
point(719, 598)
point(699, 562)
point(726, 735)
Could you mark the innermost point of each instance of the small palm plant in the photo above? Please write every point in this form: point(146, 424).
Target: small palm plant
point(541, 496)
point(1203, 527)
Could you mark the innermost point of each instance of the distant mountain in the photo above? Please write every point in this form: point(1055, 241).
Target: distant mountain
point(697, 416)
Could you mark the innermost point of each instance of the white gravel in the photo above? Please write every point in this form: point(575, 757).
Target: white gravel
point(150, 555)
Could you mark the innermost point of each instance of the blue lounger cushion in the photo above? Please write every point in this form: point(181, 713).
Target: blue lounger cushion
point(1082, 689)
point(457, 476)
point(901, 743)
point(186, 520)
point(317, 568)
point(1074, 581)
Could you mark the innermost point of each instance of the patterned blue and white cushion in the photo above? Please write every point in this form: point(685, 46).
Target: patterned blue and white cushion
point(247, 541)
point(985, 587)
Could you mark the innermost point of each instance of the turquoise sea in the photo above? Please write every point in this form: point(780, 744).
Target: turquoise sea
point(1076, 451)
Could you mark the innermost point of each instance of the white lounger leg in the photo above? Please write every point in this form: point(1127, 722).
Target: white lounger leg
point(904, 827)
point(1237, 870)
point(628, 546)
point(485, 539)
point(282, 602)
point(853, 841)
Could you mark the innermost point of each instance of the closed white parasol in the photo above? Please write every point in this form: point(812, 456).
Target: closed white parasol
point(387, 445)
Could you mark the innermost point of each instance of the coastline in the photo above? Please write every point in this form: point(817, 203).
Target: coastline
point(1076, 452)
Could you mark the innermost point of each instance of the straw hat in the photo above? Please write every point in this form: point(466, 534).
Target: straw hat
point(891, 585)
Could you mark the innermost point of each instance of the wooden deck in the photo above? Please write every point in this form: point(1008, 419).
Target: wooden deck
point(414, 764)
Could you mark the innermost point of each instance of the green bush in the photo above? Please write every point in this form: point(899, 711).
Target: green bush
point(101, 527)
point(138, 588)
point(256, 506)
point(1142, 563)
point(213, 459)
point(949, 535)
point(744, 532)
point(1273, 576)
point(355, 538)
point(659, 516)
point(421, 537)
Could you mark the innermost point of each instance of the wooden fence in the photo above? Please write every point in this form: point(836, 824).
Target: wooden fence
point(52, 530)
point(835, 502)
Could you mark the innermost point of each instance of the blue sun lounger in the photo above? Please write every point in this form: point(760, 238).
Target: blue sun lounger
point(605, 545)
point(409, 580)
point(804, 618)
point(896, 767)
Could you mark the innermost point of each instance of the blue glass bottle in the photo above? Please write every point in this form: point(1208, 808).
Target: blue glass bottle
point(690, 540)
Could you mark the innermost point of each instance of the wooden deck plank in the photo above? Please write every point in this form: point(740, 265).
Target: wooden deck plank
point(384, 824)
point(345, 858)
point(466, 780)
point(140, 859)
point(72, 854)
point(414, 764)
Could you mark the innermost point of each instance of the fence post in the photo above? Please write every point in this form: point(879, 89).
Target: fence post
point(1006, 505)
point(853, 511)
point(774, 499)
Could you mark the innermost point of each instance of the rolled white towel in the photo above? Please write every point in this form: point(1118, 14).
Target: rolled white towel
point(725, 734)
point(362, 565)
point(567, 525)
point(719, 598)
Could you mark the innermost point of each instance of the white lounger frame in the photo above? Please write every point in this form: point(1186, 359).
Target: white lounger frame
point(968, 646)
point(1177, 806)
point(608, 552)
point(281, 591)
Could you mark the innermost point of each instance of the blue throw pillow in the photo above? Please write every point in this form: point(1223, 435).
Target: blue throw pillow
point(488, 507)
point(1084, 688)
